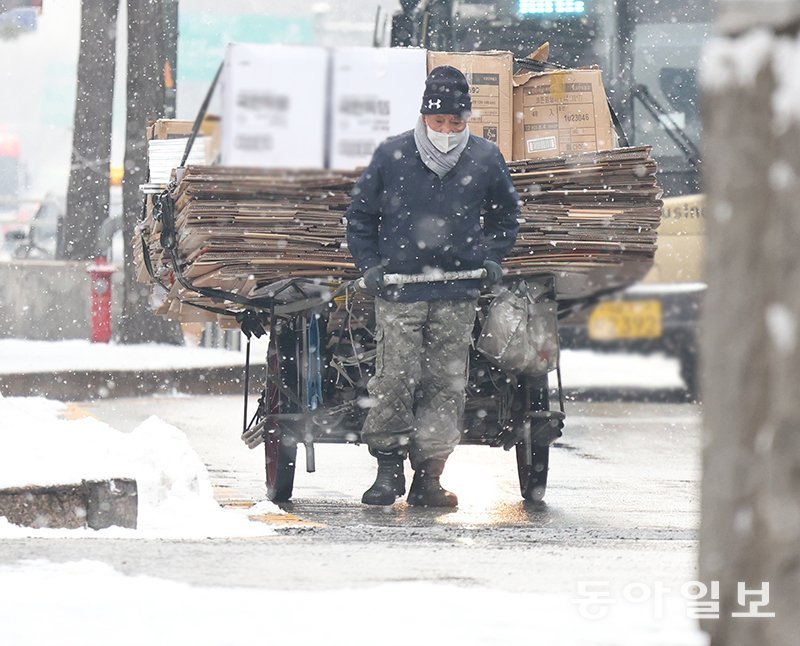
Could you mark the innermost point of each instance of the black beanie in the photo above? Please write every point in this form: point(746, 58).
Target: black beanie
point(446, 92)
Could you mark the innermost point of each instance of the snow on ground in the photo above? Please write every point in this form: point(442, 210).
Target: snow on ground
point(89, 603)
point(584, 369)
point(175, 494)
point(40, 445)
point(580, 368)
point(22, 356)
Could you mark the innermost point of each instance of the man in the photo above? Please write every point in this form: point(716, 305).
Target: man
point(417, 209)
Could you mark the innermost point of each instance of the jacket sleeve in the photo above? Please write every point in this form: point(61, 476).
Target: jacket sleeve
point(500, 226)
point(363, 216)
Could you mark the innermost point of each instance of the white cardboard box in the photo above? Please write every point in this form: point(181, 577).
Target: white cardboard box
point(274, 106)
point(375, 93)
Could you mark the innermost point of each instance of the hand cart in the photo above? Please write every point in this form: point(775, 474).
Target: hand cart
point(321, 355)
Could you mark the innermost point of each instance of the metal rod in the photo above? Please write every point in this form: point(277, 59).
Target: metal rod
point(432, 277)
point(246, 383)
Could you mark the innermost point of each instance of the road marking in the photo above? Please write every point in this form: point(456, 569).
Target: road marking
point(73, 412)
point(282, 520)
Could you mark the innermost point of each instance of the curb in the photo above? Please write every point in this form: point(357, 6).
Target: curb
point(83, 385)
point(96, 504)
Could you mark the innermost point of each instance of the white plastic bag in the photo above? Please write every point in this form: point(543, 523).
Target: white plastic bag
point(520, 333)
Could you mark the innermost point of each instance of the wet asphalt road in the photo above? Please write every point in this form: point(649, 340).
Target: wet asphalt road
point(622, 506)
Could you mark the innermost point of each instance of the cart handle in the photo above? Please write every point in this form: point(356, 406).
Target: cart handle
point(436, 276)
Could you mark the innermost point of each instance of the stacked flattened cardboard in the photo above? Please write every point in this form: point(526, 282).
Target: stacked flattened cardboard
point(589, 218)
point(239, 228)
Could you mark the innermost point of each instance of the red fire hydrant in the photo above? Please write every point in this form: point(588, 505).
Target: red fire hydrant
point(100, 272)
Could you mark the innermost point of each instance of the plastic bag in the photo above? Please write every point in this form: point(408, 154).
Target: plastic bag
point(520, 333)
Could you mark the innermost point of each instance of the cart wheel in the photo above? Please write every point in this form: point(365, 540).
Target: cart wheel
point(280, 450)
point(280, 459)
point(533, 477)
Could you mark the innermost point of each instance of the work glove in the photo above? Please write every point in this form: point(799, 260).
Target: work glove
point(373, 279)
point(494, 272)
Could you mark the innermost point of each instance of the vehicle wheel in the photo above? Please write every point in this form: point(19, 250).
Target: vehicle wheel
point(280, 449)
point(686, 350)
point(690, 376)
point(533, 477)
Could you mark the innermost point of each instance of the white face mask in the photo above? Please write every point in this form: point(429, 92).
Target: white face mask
point(444, 141)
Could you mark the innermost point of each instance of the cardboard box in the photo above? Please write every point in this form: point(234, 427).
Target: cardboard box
point(182, 128)
point(490, 80)
point(169, 128)
point(375, 93)
point(273, 106)
point(561, 112)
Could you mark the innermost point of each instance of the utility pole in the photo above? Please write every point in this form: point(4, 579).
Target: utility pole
point(146, 98)
point(750, 525)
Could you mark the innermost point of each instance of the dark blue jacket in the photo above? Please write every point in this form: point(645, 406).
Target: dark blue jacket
point(404, 216)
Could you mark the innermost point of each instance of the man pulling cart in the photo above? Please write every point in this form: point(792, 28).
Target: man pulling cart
point(417, 209)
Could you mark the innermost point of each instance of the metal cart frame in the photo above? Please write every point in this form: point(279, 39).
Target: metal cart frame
point(314, 391)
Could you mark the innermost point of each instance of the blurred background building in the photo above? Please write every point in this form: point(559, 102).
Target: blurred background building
point(637, 43)
point(38, 71)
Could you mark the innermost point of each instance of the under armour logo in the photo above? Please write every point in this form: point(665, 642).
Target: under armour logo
point(434, 104)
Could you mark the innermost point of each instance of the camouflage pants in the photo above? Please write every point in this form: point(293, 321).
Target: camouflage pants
point(420, 377)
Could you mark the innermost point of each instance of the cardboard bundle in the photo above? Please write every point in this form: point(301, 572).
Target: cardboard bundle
point(239, 228)
point(590, 219)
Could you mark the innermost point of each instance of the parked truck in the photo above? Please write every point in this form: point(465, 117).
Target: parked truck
point(661, 313)
point(649, 51)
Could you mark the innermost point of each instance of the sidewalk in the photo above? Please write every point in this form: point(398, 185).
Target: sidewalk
point(79, 370)
point(76, 370)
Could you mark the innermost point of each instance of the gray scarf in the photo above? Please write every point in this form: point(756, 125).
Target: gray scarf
point(439, 162)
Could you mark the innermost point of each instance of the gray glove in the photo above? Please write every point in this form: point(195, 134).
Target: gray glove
point(373, 279)
point(494, 272)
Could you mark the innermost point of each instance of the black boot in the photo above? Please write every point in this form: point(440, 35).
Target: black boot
point(390, 482)
point(425, 488)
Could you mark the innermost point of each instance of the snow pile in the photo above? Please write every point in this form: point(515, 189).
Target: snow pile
point(40, 446)
point(18, 356)
point(584, 369)
point(86, 602)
